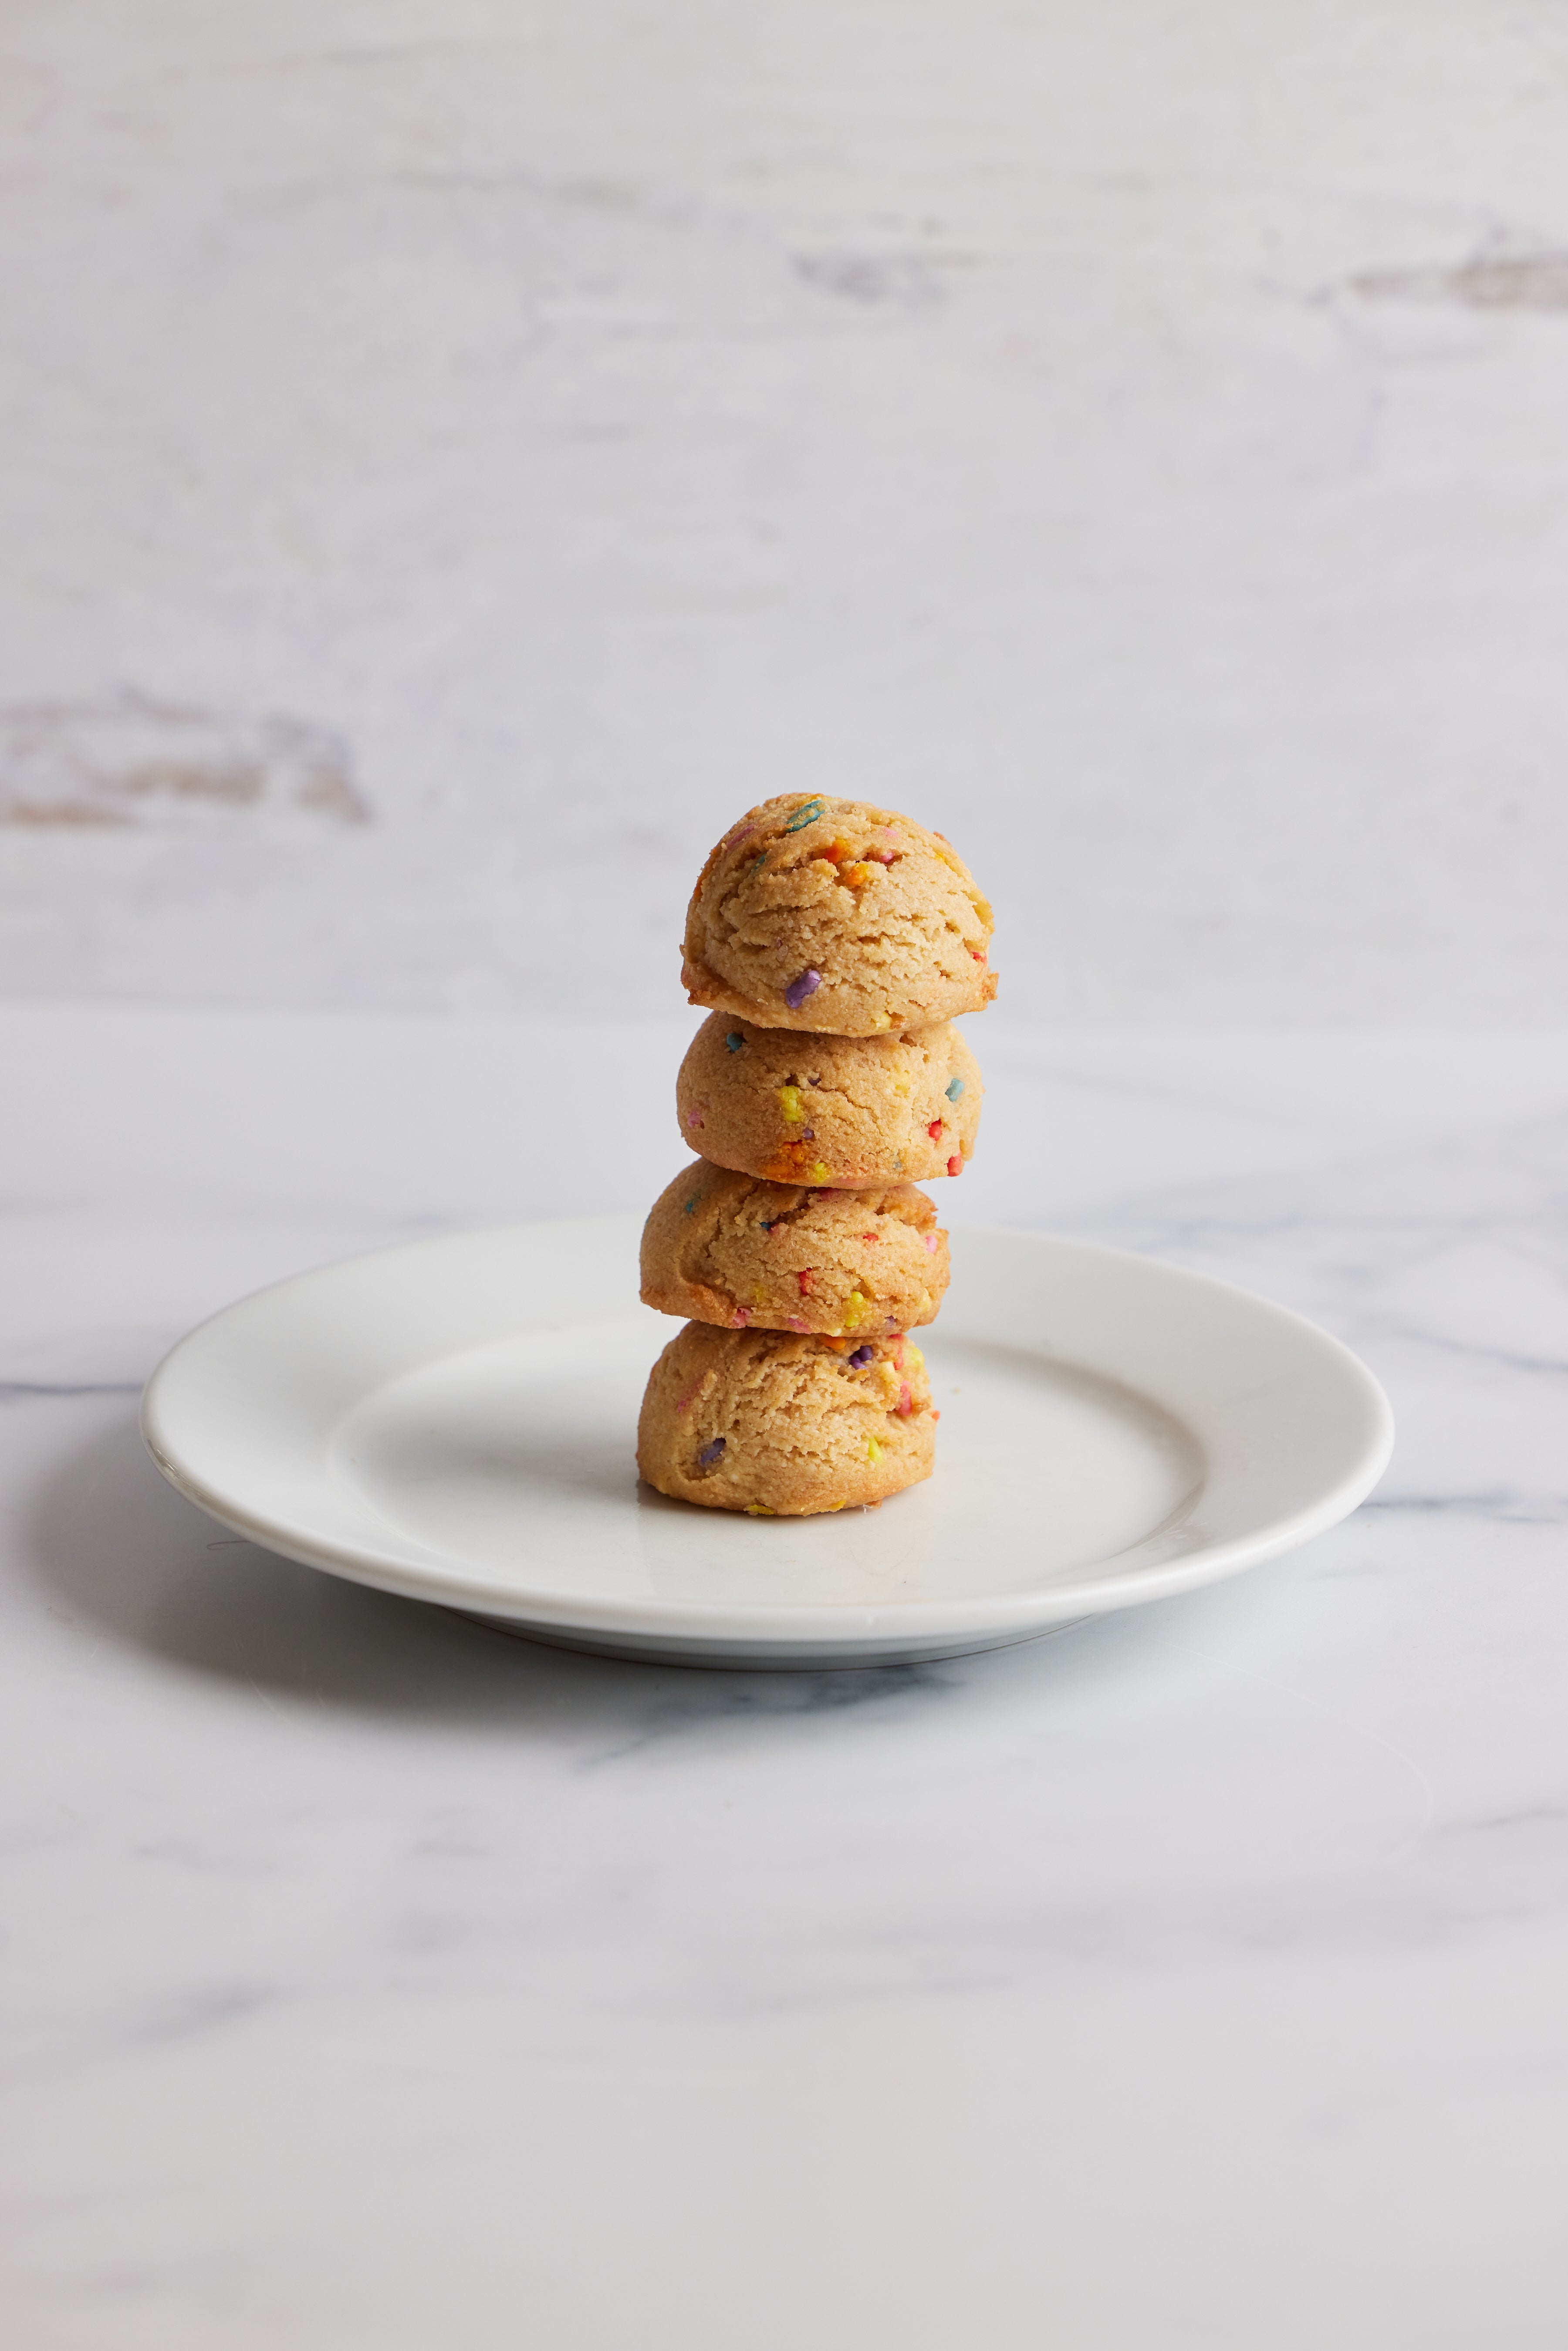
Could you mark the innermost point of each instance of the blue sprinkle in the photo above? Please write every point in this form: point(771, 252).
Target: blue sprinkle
point(711, 1453)
point(807, 813)
point(956, 1089)
point(691, 1204)
point(759, 861)
point(861, 1356)
point(734, 1040)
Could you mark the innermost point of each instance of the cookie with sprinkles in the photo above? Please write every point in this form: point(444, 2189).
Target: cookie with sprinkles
point(734, 1250)
point(847, 1111)
point(837, 916)
point(783, 1426)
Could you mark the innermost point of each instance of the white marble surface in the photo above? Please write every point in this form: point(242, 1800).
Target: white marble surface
point(1191, 1978)
point(449, 446)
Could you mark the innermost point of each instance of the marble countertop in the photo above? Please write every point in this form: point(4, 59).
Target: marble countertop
point(1192, 1978)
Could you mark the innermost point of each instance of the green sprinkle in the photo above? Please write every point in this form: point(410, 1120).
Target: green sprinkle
point(807, 813)
point(956, 1089)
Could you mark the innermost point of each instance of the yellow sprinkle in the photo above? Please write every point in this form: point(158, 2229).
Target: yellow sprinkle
point(790, 1104)
point(882, 1020)
point(819, 1171)
point(855, 1311)
point(873, 1449)
point(759, 1510)
point(912, 1353)
point(759, 1296)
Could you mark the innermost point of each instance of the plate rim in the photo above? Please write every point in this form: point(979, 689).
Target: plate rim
point(775, 1623)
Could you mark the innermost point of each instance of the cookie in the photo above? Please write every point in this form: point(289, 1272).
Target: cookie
point(844, 1111)
point(838, 917)
point(728, 1249)
point(781, 1425)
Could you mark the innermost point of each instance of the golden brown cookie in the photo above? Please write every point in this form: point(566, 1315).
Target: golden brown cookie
point(844, 1111)
point(836, 917)
point(725, 1248)
point(781, 1426)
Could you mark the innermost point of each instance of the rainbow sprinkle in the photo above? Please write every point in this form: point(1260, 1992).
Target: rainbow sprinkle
point(807, 813)
point(712, 1453)
point(796, 992)
point(956, 1089)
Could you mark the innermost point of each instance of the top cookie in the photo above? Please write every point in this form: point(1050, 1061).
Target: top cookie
point(833, 916)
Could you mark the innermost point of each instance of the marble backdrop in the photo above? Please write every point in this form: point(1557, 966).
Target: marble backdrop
point(455, 453)
point(1189, 1981)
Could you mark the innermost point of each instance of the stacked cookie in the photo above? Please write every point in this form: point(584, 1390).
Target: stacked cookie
point(835, 942)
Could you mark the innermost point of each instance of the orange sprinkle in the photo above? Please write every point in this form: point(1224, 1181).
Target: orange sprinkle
point(934, 1130)
point(955, 1166)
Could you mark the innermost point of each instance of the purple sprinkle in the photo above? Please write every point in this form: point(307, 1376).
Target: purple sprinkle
point(711, 1453)
point(808, 1134)
point(796, 992)
point(861, 1356)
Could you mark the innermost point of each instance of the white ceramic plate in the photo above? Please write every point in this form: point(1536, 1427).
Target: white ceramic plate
point(454, 1421)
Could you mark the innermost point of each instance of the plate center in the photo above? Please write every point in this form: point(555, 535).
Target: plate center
point(514, 1462)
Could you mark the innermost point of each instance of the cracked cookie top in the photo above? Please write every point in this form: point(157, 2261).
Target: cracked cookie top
point(732, 1249)
point(847, 1111)
point(838, 917)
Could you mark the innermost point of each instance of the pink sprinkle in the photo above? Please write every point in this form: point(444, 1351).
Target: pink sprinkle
point(694, 1118)
point(687, 1397)
point(744, 834)
point(906, 1402)
point(930, 1243)
point(795, 1322)
point(740, 1318)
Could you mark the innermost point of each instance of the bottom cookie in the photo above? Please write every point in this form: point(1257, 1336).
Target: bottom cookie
point(782, 1426)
